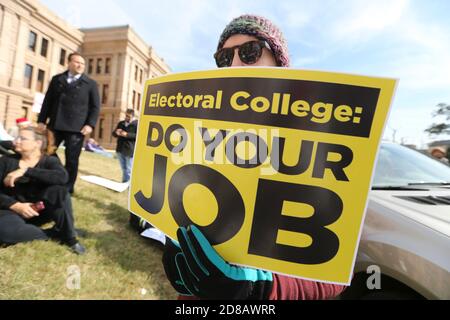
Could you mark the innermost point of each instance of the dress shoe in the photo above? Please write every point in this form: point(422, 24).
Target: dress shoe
point(78, 248)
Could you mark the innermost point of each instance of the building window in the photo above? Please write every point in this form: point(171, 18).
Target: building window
point(134, 98)
point(107, 65)
point(40, 81)
point(32, 39)
point(62, 57)
point(90, 66)
point(141, 76)
point(100, 128)
point(28, 76)
point(105, 93)
point(44, 47)
point(99, 65)
point(138, 101)
point(136, 70)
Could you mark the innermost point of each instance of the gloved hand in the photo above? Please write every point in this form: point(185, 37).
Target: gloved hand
point(195, 268)
point(171, 250)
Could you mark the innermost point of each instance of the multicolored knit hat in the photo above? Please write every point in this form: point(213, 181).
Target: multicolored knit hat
point(261, 28)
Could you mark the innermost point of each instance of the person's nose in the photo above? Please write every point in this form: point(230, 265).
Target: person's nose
point(236, 60)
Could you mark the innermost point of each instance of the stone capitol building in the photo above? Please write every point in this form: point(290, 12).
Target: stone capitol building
point(34, 46)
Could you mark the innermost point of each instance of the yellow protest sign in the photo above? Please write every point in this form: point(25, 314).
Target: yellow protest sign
point(273, 165)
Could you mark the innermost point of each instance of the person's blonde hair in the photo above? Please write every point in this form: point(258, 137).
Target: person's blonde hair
point(45, 136)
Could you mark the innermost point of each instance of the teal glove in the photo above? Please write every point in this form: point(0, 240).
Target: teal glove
point(171, 251)
point(195, 268)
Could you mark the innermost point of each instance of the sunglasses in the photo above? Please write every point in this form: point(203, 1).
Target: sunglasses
point(249, 53)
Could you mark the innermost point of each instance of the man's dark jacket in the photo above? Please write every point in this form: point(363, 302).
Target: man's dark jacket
point(125, 145)
point(70, 106)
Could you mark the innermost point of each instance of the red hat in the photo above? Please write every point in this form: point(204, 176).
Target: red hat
point(22, 121)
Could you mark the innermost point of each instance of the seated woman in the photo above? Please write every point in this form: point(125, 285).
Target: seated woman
point(33, 177)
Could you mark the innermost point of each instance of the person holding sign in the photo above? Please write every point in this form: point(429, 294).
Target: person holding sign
point(193, 266)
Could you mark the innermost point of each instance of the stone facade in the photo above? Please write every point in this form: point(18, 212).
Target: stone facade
point(120, 61)
point(34, 45)
point(32, 40)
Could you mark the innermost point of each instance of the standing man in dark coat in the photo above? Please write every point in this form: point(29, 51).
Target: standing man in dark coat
point(71, 107)
point(126, 133)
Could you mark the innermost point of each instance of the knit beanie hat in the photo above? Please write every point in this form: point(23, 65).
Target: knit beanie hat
point(261, 28)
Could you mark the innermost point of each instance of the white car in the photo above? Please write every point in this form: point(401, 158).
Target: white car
point(406, 234)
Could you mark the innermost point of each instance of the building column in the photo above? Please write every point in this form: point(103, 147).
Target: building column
point(8, 40)
point(114, 82)
point(55, 55)
point(128, 75)
point(16, 79)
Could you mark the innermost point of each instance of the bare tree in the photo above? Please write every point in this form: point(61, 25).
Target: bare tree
point(443, 109)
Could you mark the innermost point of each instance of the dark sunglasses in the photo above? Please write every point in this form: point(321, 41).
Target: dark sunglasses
point(249, 53)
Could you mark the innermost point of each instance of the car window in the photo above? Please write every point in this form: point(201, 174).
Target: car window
point(400, 166)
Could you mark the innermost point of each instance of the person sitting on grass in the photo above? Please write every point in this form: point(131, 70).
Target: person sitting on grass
point(92, 146)
point(33, 192)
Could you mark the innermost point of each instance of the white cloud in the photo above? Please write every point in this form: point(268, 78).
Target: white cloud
point(363, 18)
point(421, 72)
point(86, 13)
point(428, 64)
point(390, 38)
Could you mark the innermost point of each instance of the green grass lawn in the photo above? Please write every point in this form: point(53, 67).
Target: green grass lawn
point(119, 263)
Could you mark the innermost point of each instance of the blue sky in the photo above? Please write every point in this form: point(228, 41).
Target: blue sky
point(404, 39)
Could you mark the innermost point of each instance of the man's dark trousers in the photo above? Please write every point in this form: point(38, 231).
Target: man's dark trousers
point(73, 142)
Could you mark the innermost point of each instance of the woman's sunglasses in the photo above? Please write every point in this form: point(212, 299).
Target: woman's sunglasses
point(249, 53)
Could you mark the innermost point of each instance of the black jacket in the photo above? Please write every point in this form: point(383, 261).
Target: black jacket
point(69, 107)
point(49, 171)
point(125, 145)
